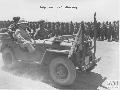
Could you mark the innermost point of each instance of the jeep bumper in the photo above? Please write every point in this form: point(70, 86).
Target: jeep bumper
point(91, 64)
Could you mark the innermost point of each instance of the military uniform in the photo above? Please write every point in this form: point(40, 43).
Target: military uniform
point(71, 28)
point(57, 31)
point(62, 28)
point(102, 32)
point(23, 38)
point(109, 31)
point(41, 32)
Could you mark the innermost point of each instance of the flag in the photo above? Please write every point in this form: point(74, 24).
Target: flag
point(78, 41)
point(95, 32)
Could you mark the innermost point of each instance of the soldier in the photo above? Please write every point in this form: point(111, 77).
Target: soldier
point(117, 31)
point(64, 25)
point(71, 28)
point(23, 37)
point(41, 32)
point(36, 34)
point(91, 31)
point(109, 32)
point(76, 28)
point(98, 30)
point(49, 27)
point(102, 31)
point(67, 29)
point(57, 31)
point(87, 29)
point(62, 28)
point(53, 28)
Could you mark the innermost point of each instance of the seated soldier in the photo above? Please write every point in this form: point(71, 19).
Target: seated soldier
point(41, 32)
point(23, 37)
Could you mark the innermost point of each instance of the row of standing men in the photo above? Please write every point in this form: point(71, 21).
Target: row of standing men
point(40, 30)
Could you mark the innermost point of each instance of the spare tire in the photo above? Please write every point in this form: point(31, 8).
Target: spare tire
point(62, 71)
point(8, 56)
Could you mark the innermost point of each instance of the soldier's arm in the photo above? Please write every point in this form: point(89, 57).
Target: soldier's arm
point(37, 30)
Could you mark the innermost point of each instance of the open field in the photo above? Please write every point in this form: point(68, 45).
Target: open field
point(33, 76)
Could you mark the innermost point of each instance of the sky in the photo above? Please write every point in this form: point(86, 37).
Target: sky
point(30, 10)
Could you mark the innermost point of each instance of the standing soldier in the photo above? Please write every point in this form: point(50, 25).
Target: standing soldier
point(114, 32)
point(117, 31)
point(64, 32)
point(53, 28)
point(102, 31)
point(62, 28)
point(66, 28)
point(71, 28)
point(37, 25)
point(76, 28)
point(109, 32)
point(98, 30)
point(41, 32)
point(88, 28)
point(57, 33)
point(92, 30)
point(49, 27)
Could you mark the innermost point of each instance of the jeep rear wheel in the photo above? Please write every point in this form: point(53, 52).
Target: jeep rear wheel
point(8, 57)
point(62, 71)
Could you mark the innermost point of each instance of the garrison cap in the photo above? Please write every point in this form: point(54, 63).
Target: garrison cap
point(22, 21)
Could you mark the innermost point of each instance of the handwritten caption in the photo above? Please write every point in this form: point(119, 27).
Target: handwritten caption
point(51, 7)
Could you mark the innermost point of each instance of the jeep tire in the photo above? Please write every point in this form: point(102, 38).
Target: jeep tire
point(62, 71)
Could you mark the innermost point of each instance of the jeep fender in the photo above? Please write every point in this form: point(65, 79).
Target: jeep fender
point(51, 54)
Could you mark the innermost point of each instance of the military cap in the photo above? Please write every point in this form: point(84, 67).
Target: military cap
point(16, 19)
point(22, 21)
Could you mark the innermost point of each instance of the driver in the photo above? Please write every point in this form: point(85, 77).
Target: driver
point(23, 37)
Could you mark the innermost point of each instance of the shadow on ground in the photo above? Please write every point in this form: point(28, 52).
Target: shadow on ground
point(90, 80)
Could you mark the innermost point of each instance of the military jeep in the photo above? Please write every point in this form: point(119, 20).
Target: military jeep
point(53, 53)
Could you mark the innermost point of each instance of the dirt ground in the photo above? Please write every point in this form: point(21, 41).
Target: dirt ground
point(33, 76)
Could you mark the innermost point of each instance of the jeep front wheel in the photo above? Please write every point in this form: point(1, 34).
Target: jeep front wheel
point(62, 71)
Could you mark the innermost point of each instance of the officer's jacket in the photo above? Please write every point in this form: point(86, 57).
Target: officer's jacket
point(22, 35)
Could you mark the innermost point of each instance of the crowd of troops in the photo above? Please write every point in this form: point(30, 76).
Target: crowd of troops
point(41, 29)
